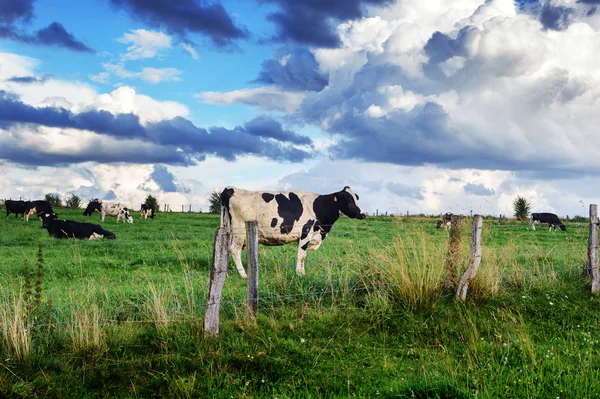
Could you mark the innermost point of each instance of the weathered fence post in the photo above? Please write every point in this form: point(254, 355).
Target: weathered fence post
point(252, 266)
point(453, 252)
point(474, 259)
point(218, 272)
point(592, 266)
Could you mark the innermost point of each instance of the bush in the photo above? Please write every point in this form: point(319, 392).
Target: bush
point(54, 200)
point(521, 207)
point(215, 202)
point(73, 202)
point(153, 203)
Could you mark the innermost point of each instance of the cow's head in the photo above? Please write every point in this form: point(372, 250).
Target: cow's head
point(93, 206)
point(347, 203)
point(47, 219)
point(126, 216)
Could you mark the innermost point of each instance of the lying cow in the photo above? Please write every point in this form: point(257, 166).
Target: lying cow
point(284, 217)
point(147, 212)
point(445, 221)
point(71, 229)
point(550, 218)
point(15, 206)
point(110, 209)
point(36, 207)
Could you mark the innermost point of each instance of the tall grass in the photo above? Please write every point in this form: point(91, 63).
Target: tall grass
point(16, 334)
point(85, 330)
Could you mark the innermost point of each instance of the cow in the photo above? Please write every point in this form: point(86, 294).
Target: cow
point(545, 217)
point(284, 217)
point(147, 212)
point(110, 209)
point(71, 229)
point(445, 221)
point(36, 207)
point(16, 207)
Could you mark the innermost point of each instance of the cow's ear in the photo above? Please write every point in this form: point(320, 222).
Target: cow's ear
point(335, 198)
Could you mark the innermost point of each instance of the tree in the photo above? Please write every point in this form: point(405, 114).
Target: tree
point(521, 207)
point(73, 202)
point(215, 202)
point(152, 203)
point(54, 200)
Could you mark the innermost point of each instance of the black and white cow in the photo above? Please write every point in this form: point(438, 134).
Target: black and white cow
point(110, 209)
point(445, 221)
point(36, 207)
point(71, 229)
point(545, 217)
point(284, 217)
point(15, 206)
point(147, 212)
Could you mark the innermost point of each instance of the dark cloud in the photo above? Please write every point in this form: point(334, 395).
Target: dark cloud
point(174, 141)
point(299, 71)
point(185, 17)
point(556, 17)
point(478, 189)
point(264, 126)
point(28, 79)
point(53, 35)
point(312, 22)
point(109, 196)
point(12, 11)
point(593, 2)
point(403, 190)
point(164, 179)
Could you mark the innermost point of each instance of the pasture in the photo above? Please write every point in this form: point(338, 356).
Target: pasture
point(123, 318)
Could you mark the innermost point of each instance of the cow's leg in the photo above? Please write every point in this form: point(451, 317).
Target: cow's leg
point(236, 253)
point(302, 247)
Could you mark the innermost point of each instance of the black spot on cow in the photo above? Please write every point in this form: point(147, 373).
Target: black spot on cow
point(305, 246)
point(225, 197)
point(289, 210)
point(268, 197)
point(306, 228)
point(327, 211)
point(274, 222)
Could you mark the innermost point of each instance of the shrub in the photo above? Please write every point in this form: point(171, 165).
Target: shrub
point(73, 202)
point(521, 208)
point(54, 200)
point(215, 202)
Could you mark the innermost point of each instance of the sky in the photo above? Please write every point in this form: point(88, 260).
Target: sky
point(419, 106)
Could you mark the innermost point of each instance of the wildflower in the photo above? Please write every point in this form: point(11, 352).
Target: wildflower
point(302, 340)
point(551, 303)
point(524, 296)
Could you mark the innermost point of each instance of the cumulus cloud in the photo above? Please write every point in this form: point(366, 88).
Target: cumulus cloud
point(478, 189)
point(186, 17)
point(144, 44)
point(148, 74)
point(465, 84)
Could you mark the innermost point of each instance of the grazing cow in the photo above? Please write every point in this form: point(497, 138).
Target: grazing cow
point(445, 221)
point(110, 209)
point(147, 212)
point(284, 217)
point(71, 229)
point(550, 218)
point(15, 207)
point(38, 207)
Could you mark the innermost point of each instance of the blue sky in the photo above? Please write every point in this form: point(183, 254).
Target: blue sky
point(445, 106)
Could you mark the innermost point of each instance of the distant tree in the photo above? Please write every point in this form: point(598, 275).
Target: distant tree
point(153, 203)
point(54, 200)
point(73, 202)
point(521, 208)
point(215, 202)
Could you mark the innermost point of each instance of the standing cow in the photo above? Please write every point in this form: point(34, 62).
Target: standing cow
point(545, 217)
point(284, 217)
point(110, 209)
point(37, 207)
point(15, 206)
point(445, 221)
point(147, 212)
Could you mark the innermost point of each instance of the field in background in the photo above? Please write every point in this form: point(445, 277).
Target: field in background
point(370, 318)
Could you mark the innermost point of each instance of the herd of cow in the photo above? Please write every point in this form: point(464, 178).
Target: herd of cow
point(69, 228)
point(283, 217)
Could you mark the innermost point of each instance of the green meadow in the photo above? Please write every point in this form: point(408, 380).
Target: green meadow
point(371, 318)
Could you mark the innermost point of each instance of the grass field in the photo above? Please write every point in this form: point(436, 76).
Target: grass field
point(371, 318)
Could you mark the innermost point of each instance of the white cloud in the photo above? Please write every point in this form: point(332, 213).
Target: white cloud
point(101, 77)
point(191, 50)
point(151, 75)
point(144, 44)
point(269, 98)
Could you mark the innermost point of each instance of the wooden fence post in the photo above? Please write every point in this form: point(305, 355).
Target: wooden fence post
point(218, 272)
point(474, 259)
point(592, 266)
point(453, 252)
point(252, 266)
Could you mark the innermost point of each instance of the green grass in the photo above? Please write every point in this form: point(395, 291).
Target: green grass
point(124, 318)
